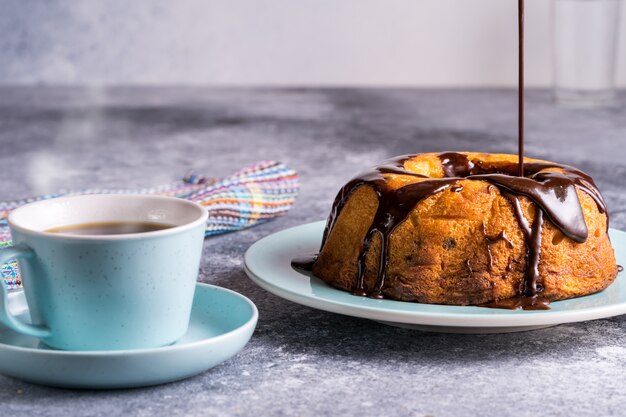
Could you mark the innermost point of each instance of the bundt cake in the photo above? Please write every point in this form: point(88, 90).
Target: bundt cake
point(464, 229)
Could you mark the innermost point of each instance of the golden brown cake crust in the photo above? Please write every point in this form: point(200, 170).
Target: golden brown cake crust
point(464, 245)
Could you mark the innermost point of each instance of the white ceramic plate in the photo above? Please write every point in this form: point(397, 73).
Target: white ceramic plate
point(268, 263)
point(222, 322)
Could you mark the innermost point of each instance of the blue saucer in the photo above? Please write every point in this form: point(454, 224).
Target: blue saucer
point(222, 322)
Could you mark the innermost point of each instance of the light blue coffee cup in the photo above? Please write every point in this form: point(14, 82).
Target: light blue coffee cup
point(106, 292)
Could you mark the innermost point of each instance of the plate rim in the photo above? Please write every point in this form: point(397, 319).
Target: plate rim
point(510, 319)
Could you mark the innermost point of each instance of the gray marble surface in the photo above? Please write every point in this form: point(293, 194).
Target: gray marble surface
point(302, 361)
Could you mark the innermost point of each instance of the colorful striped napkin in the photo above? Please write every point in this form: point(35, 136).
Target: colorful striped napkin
point(249, 197)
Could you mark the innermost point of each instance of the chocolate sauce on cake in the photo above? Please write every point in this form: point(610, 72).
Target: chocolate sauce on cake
point(550, 186)
point(526, 303)
point(492, 241)
point(553, 193)
point(304, 263)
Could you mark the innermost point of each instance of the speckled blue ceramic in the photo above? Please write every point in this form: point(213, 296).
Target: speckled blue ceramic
point(106, 292)
point(221, 324)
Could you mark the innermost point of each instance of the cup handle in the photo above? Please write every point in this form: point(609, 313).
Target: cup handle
point(8, 319)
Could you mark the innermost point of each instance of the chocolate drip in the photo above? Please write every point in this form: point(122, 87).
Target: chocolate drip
point(553, 193)
point(490, 256)
point(456, 188)
point(499, 237)
point(520, 301)
point(393, 208)
point(519, 215)
point(531, 276)
point(532, 237)
point(394, 205)
point(492, 241)
point(373, 177)
point(304, 263)
point(456, 164)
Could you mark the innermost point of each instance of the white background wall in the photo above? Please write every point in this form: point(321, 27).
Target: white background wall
point(277, 42)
